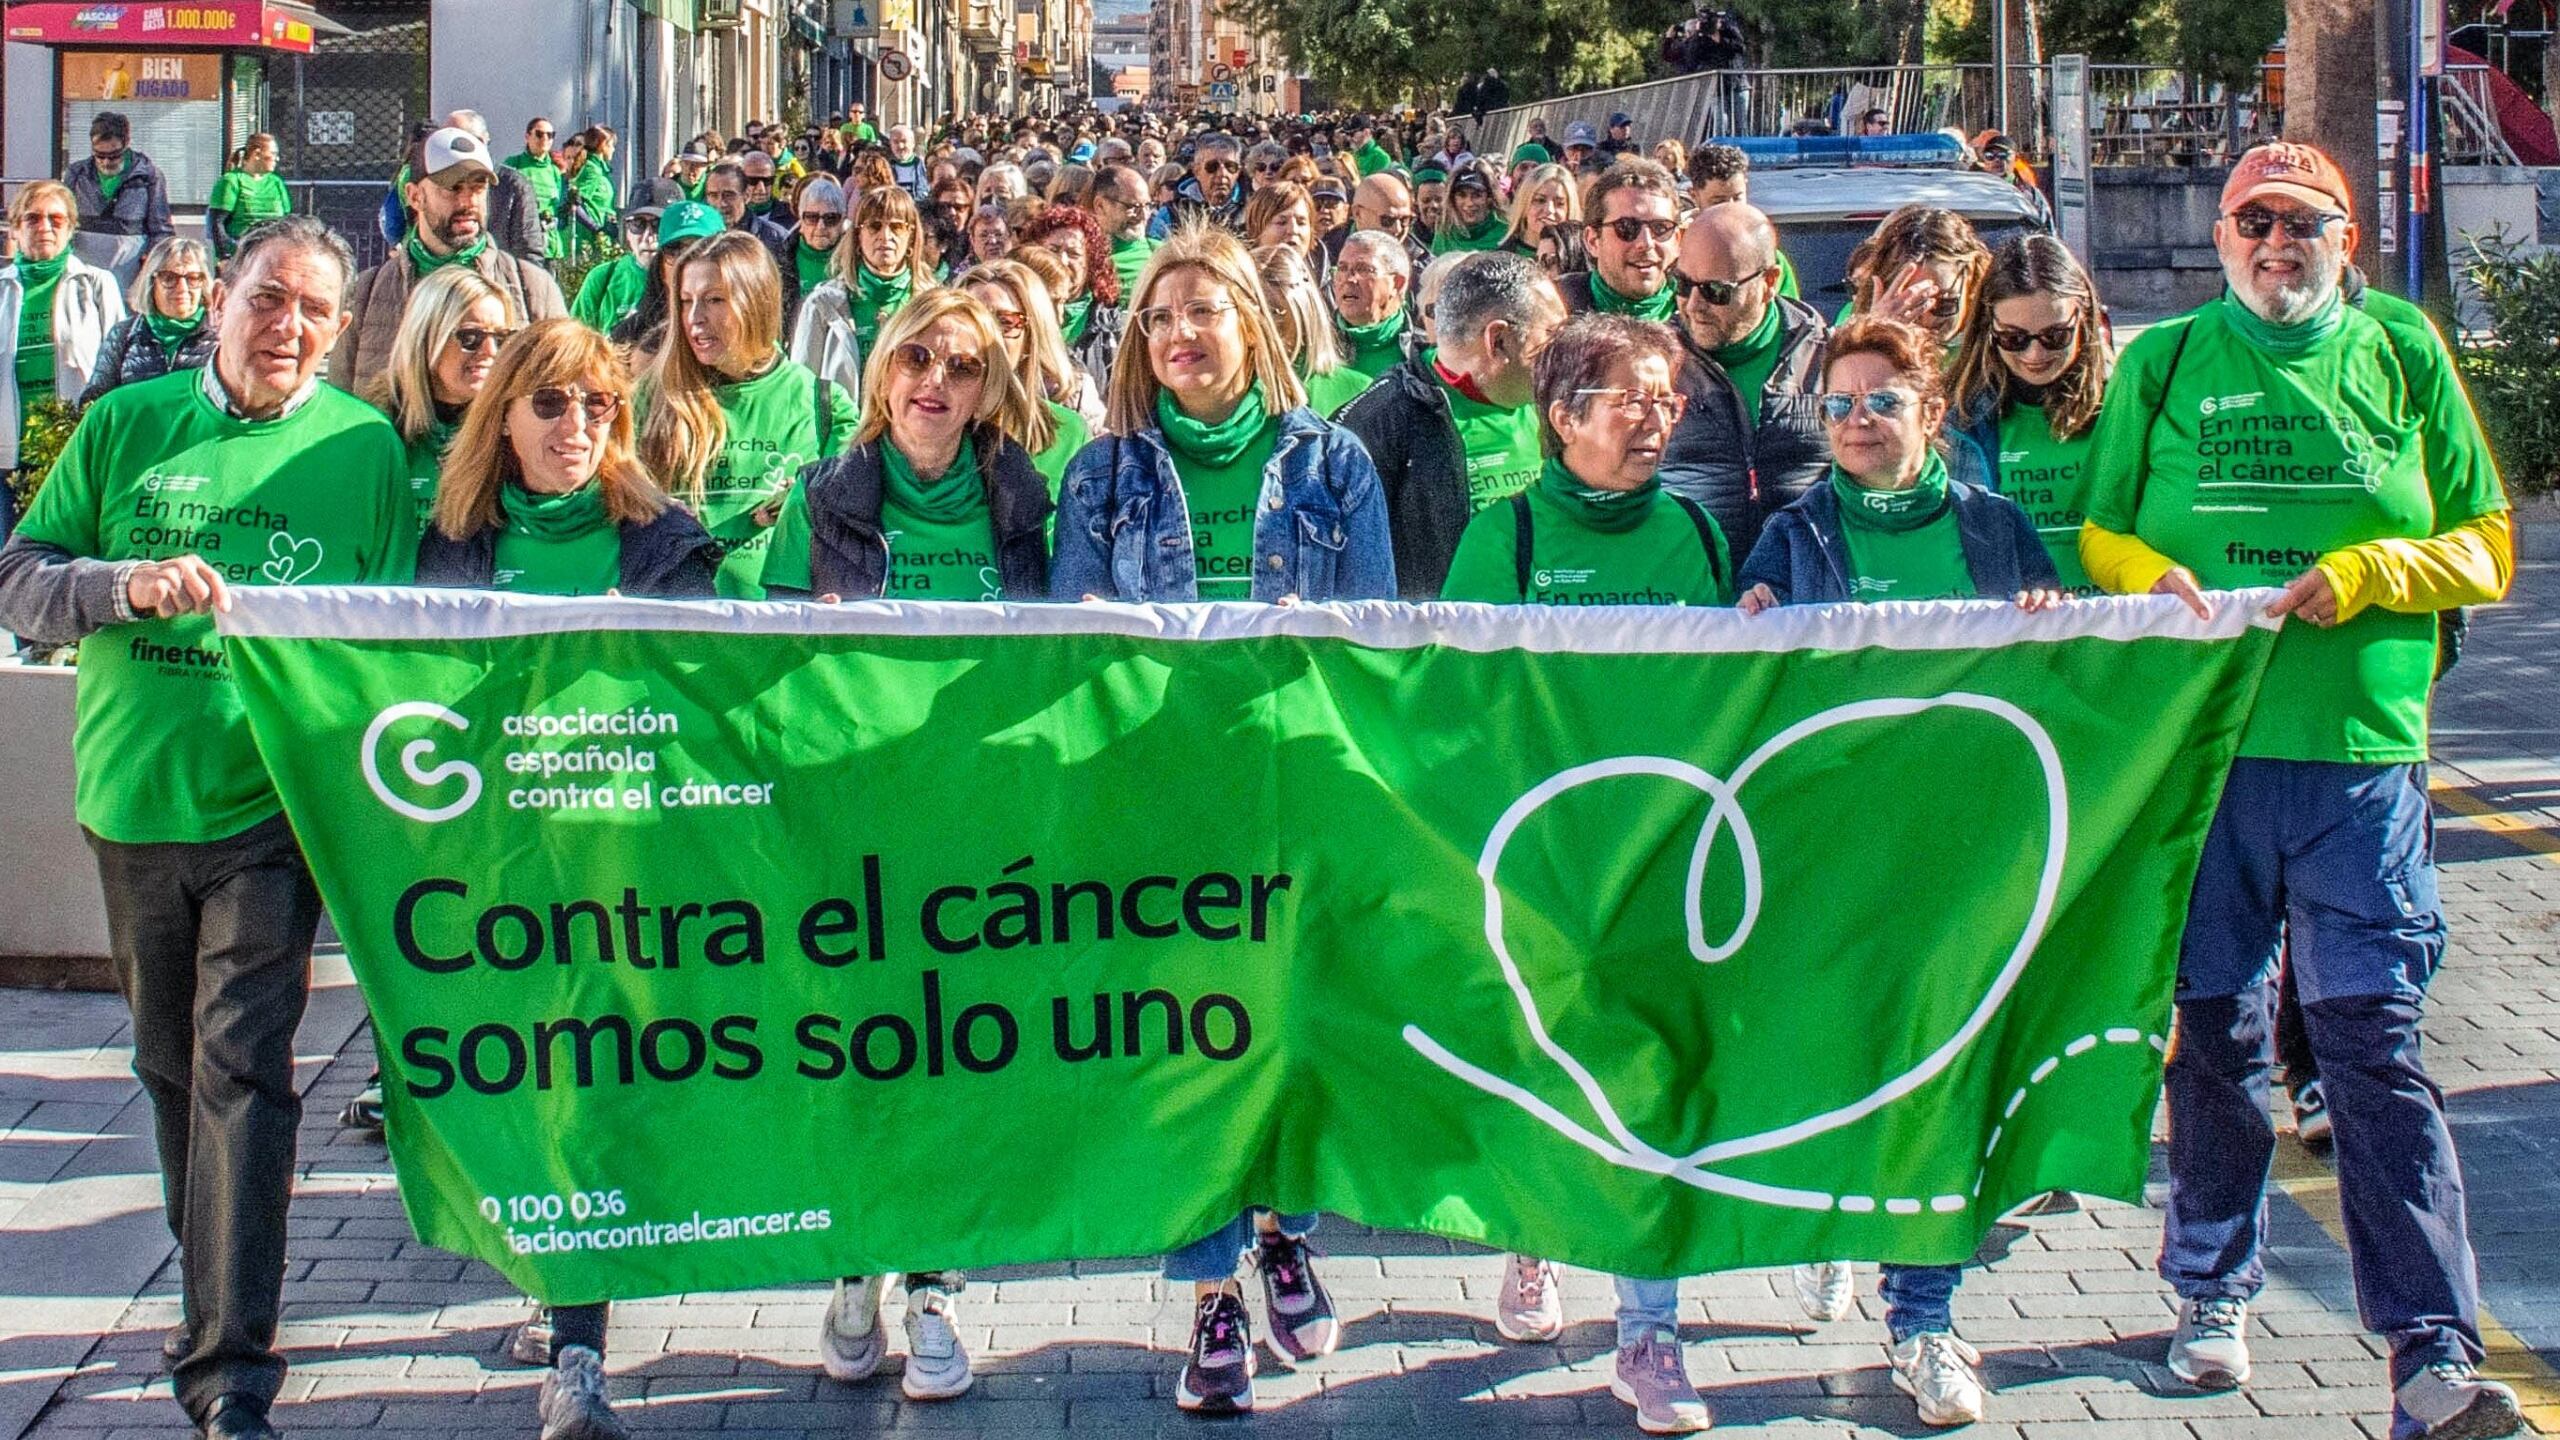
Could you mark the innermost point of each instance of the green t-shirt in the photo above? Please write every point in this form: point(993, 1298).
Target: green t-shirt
point(773, 431)
point(1221, 469)
point(2042, 474)
point(1072, 435)
point(1657, 306)
point(1501, 445)
point(2246, 464)
point(40, 279)
point(942, 537)
point(542, 175)
point(1751, 360)
point(156, 470)
point(1330, 391)
point(1374, 349)
point(422, 462)
point(862, 133)
point(593, 184)
point(1591, 547)
point(611, 291)
point(1903, 544)
point(1372, 158)
point(250, 199)
point(556, 544)
point(1129, 257)
point(810, 265)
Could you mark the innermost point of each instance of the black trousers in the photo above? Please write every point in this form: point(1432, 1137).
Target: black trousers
point(212, 948)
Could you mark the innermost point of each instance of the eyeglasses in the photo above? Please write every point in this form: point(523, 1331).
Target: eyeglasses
point(553, 401)
point(178, 280)
point(1718, 293)
point(475, 338)
point(831, 219)
point(1642, 405)
point(2015, 341)
point(2253, 222)
point(1628, 227)
point(918, 359)
point(1156, 321)
point(1839, 405)
point(1011, 322)
point(1266, 167)
point(1947, 307)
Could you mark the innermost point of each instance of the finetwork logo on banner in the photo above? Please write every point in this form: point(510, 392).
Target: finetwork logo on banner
point(413, 758)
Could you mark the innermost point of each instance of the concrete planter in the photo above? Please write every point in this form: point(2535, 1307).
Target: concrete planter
point(50, 906)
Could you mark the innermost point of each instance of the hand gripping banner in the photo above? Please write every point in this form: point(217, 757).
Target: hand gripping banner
point(713, 945)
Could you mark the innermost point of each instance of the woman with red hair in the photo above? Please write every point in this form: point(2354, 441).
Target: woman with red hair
point(1090, 318)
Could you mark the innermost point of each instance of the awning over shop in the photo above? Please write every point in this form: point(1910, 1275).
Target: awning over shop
point(682, 14)
point(195, 25)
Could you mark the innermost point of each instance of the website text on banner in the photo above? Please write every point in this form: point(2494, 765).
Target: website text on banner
point(1660, 943)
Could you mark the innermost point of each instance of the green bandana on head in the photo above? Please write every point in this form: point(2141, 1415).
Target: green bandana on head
point(1215, 445)
point(1608, 510)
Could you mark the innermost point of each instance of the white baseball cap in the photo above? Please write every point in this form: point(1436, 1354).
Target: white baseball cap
point(452, 148)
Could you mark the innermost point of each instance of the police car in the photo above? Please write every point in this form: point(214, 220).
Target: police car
point(1827, 193)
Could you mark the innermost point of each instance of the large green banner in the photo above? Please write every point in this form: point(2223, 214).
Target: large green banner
point(717, 945)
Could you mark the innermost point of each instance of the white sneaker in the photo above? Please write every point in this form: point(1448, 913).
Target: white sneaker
point(572, 1404)
point(1936, 1370)
point(850, 1344)
point(2211, 1347)
point(937, 1368)
point(1529, 1308)
point(1826, 1289)
point(2450, 1401)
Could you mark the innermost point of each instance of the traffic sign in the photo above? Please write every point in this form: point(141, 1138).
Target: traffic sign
point(894, 65)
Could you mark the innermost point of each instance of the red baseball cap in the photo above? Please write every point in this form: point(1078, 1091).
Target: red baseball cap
point(2291, 171)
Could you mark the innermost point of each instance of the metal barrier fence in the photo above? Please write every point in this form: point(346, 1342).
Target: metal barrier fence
point(2140, 115)
point(353, 208)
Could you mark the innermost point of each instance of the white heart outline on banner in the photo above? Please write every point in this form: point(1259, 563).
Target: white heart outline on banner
point(1635, 1154)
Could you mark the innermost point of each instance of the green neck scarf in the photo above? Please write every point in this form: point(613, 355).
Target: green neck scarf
point(553, 517)
point(172, 333)
point(2295, 339)
point(34, 273)
point(811, 264)
point(1750, 347)
point(878, 291)
point(428, 262)
point(1481, 236)
point(1894, 510)
point(1074, 318)
point(1370, 337)
point(948, 497)
point(1656, 306)
point(1214, 445)
point(1610, 510)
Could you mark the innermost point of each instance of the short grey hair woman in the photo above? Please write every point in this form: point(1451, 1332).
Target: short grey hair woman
point(167, 329)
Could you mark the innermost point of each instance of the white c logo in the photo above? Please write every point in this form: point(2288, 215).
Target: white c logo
point(412, 758)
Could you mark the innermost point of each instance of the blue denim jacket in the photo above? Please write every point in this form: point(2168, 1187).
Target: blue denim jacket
point(1320, 532)
point(1803, 556)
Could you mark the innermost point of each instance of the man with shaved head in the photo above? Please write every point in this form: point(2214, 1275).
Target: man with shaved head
point(1381, 202)
point(1751, 439)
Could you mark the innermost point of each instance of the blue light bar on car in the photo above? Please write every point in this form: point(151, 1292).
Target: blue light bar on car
point(1921, 148)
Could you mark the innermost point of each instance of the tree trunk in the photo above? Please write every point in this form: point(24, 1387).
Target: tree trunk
point(2330, 100)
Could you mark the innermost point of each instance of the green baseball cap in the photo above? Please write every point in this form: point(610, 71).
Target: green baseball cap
point(689, 220)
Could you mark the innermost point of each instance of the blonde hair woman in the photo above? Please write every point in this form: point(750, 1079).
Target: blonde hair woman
point(1305, 323)
point(444, 353)
point(64, 307)
point(729, 420)
point(1025, 312)
point(871, 272)
point(1544, 199)
point(543, 490)
point(937, 500)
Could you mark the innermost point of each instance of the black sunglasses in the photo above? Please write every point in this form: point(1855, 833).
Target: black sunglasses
point(475, 338)
point(2254, 222)
point(551, 402)
point(1718, 293)
point(2056, 339)
point(1628, 227)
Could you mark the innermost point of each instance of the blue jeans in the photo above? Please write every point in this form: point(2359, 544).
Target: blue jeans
point(1919, 1297)
point(2336, 863)
point(1213, 1256)
point(1647, 1307)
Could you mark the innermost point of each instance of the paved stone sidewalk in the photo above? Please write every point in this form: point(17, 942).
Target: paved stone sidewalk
point(387, 1335)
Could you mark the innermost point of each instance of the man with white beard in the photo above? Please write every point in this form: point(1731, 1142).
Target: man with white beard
point(2289, 434)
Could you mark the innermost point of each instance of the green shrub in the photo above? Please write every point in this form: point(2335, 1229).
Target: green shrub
point(2514, 369)
point(47, 430)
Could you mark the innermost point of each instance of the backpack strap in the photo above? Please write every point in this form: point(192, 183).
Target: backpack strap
point(1707, 537)
point(1524, 542)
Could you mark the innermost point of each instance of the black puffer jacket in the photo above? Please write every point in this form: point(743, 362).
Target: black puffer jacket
point(1404, 422)
point(129, 354)
point(668, 558)
point(1099, 350)
point(849, 552)
point(1745, 464)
